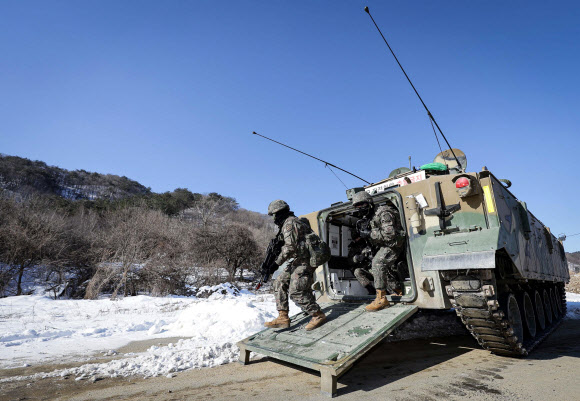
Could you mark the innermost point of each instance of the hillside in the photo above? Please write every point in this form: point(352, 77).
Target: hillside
point(79, 234)
point(24, 177)
point(573, 257)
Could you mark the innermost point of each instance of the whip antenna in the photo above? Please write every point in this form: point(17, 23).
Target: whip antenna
point(413, 86)
point(316, 158)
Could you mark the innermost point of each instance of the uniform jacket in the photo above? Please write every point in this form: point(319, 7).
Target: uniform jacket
point(294, 233)
point(386, 227)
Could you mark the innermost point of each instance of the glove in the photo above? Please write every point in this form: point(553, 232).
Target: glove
point(367, 252)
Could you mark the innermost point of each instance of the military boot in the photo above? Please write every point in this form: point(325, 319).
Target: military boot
point(281, 322)
point(398, 291)
point(317, 320)
point(380, 302)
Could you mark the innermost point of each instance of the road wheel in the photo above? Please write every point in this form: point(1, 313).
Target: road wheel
point(527, 312)
point(513, 315)
point(539, 308)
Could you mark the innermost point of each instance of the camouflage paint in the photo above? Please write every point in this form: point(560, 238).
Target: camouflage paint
point(490, 220)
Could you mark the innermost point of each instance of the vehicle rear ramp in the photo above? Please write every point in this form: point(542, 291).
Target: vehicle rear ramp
point(334, 347)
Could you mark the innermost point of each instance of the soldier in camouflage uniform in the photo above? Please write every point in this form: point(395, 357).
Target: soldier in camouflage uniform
point(360, 256)
point(383, 232)
point(297, 277)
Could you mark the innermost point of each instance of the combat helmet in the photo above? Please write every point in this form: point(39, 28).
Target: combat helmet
point(361, 197)
point(277, 206)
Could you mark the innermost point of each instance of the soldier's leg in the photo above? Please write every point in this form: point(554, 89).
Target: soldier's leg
point(381, 261)
point(395, 272)
point(365, 278)
point(301, 289)
point(380, 265)
point(384, 261)
point(301, 293)
point(281, 287)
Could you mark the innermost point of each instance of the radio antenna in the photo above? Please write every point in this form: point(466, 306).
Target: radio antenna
point(413, 86)
point(316, 158)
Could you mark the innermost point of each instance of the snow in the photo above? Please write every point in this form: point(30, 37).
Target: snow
point(573, 305)
point(37, 329)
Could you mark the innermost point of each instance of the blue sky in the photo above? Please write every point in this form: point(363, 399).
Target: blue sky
point(168, 93)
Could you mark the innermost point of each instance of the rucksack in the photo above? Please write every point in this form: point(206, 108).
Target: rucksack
point(318, 249)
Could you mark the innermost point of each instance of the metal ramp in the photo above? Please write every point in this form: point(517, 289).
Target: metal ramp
point(332, 348)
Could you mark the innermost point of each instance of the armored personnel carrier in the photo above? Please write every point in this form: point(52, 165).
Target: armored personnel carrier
point(471, 246)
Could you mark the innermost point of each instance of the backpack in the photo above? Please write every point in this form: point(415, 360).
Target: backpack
point(318, 249)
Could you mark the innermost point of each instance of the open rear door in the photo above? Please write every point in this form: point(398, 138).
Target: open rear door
point(332, 348)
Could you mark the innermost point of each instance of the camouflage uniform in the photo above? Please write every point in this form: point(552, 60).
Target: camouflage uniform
point(297, 278)
point(386, 234)
point(358, 268)
point(364, 277)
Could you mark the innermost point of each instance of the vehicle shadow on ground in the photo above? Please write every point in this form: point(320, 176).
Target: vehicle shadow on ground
point(563, 341)
point(391, 361)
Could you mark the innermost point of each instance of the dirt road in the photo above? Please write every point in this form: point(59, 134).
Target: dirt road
point(435, 369)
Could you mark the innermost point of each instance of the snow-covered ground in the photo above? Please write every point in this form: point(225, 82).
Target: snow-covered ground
point(573, 305)
point(37, 329)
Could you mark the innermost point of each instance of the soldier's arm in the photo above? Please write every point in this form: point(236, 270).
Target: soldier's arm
point(387, 222)
point(355, 249)
point(290, 233)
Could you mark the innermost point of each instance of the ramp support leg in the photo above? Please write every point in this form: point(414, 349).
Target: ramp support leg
point(328, 381)
point(244, 355)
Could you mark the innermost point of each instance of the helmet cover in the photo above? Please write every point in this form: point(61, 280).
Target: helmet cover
point(277, 206)
point(361, 197)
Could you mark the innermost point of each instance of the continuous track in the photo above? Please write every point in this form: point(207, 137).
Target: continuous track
point(489, 314)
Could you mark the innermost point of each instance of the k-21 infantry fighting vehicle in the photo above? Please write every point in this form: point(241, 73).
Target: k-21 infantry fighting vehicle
point(471, 245)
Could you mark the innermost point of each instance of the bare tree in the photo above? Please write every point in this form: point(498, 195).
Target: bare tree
point(29, 235)
point(130, 237)
point(210, 209)
point(169, 268)
point(83, 249)
point(231, 246)
point(70, 273)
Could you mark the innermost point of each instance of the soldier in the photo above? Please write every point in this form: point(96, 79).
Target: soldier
point(382, 229)
point(297, 278)
point(360, 256)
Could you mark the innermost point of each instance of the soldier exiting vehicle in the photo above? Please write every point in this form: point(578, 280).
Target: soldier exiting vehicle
point(360, 257)
point(297, 277)
point(379, 229)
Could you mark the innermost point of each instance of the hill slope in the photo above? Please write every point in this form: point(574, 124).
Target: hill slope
point(24, 177)
point(573, 257)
